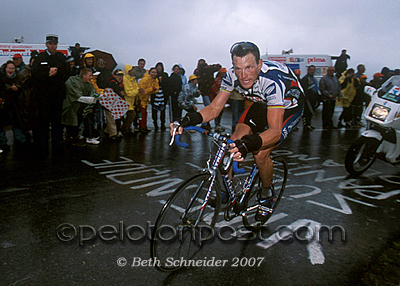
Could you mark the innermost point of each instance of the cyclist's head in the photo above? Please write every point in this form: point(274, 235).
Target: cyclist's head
point(241, 49)
point(246, 63)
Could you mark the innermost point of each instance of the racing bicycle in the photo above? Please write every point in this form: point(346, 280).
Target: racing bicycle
point(187, 218)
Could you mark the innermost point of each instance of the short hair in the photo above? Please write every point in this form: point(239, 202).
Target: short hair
point(85, 71)
point(160, 64)
point(242, 49)
point(7, 63)
point(141, 60)
point(310, 66)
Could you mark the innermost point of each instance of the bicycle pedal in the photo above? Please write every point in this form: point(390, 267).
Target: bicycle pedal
point(266, 209)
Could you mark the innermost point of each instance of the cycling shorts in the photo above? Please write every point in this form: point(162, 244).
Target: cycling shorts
point(255, 116)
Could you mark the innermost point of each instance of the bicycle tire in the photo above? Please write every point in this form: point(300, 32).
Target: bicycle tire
point(185, 238)
point(279, 179)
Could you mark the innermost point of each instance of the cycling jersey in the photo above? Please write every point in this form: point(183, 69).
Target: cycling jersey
point(276, 86)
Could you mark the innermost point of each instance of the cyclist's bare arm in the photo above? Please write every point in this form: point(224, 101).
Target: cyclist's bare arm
point(215, 107)
point(270, 136)
point(209, 112)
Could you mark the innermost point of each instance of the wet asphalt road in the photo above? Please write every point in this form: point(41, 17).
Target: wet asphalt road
point(121, 185)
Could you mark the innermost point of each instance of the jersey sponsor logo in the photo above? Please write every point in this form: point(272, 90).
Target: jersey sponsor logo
point(291, 103)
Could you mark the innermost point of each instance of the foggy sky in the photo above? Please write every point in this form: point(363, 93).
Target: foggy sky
point(184, 31)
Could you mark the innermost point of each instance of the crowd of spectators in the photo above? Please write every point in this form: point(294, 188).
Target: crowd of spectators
point(58, 95)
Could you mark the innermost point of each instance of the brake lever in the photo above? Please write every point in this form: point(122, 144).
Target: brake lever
point(229, 162)
point(176, 126)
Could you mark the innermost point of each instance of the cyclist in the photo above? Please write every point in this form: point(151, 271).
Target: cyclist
point(276, 109)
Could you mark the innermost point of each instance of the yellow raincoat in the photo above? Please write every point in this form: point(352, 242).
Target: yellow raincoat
point(131, 87)
point(147, 83)
point(348, 93)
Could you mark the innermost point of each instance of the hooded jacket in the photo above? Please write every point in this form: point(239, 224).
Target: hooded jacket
point(76, 88)
point(131, 87)
point(147, 83)
point(349, 86)
point(88, 55)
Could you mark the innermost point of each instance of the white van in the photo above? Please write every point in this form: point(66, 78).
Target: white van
point(7, 50)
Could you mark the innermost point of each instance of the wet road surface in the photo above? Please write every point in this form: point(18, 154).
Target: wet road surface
point(91, 196)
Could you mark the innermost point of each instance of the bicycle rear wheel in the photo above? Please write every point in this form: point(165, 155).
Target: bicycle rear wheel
point(184, 223)
point(251, 199)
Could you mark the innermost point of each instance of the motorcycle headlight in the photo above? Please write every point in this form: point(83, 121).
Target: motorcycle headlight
point(379, 112)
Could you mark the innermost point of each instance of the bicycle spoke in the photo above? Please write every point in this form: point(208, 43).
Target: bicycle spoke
point(184, 222)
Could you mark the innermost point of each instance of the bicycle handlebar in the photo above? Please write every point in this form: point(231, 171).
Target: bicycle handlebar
point(216, 136)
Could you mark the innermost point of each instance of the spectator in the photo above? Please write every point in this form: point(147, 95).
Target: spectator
point(73, 70)
point(79, 93)
point(385, 74)
point(182, 74)
point(175, 87)
point(360, 70)
point(76, 53)
point(237, 103)
point(28, 105)
point(19, 63)
point(131, 89)
point(213, 93)
point(341, 63)
point(297, 72)
point(140, 70)
point(205, 73)
point(101, 81)
point(10, 115)
point(88, 61)
point(117, 85)
point(105, 73)
point(49, 72)
point(312, 98)
point(2, 90)
point(186, 99)
point(159, 100)
point(149, 86)
point(358, 102)
point(98, 110)
point(377, 80)
point(348, 83)
point(330, 90)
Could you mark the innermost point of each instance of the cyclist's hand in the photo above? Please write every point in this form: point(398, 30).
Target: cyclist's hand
point(237, 155)
point(248, 143)
point(175, 128)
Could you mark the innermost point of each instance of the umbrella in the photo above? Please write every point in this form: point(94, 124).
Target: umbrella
point(110, 61)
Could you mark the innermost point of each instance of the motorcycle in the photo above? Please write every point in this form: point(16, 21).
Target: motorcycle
point(382, 136)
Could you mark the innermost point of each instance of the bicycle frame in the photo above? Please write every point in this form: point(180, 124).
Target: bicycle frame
point(224, 179)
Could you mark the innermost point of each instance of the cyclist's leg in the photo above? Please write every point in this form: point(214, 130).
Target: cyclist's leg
point(265, 168)
point(253, 120)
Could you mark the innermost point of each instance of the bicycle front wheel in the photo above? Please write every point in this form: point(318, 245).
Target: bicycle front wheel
point(251, 200)
point(185, 223)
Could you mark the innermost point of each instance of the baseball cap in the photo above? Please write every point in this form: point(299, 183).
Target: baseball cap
point(192, 77)
point(17, 56)
point(118, 72)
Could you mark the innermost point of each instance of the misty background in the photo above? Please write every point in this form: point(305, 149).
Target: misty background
point(184, 31)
